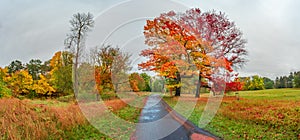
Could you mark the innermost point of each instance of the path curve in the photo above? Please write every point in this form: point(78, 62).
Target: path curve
point(159, 121)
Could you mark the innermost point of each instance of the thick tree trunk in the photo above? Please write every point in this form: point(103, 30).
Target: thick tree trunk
point(198, 87)
point(177, 93)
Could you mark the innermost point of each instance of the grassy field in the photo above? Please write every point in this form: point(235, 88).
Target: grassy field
point(264, 114)
point(52, 119)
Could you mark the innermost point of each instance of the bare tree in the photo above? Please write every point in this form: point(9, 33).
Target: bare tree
point(81, 23)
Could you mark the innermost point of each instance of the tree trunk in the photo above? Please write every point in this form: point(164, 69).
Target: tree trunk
point(177, 93)
point(116, 88)
point(75, 82)
point(178, 81)
point(198, 87)
point(97, 97)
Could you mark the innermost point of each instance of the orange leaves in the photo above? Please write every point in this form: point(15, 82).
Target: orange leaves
point(137, 83)
point(103, 79)
point(207, 40)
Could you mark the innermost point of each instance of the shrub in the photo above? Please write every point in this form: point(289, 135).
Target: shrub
point(4, 91)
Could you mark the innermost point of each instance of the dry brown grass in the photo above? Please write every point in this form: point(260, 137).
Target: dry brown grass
point(20, 119)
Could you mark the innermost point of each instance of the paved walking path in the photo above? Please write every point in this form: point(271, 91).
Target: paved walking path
point(159, 121)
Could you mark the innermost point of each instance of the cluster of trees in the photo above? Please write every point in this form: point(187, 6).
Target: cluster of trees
point(258, 83)
point(140, 82)
point(37, 78)
point(252, 83)
point(291, 81)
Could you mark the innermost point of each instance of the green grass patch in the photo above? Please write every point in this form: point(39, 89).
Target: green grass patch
point(264, 114)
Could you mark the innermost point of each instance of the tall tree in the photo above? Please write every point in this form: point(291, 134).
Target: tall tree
point(120, 68)
point(277, 83)
point(81, 23)
point(182, 40)
point(104, 58)
point(290, 79)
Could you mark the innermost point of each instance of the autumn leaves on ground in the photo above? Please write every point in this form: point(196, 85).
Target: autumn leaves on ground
point(192, 53)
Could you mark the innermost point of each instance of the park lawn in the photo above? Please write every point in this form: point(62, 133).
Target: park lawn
point(263, 114)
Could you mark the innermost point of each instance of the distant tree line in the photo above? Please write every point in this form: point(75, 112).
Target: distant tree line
point(259, 83)
point(290, 81)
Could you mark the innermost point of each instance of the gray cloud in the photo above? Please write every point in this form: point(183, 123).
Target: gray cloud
point(36, 29)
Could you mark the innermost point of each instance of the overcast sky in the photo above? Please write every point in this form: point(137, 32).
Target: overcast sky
point(31, 29)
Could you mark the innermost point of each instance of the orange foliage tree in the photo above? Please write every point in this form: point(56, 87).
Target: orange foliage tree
point(104, 58)
point(184, 43)
point(137, 83)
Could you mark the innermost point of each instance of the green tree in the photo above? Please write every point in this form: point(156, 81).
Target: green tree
point(290, 79)
point(45, 68)
point(4, 90)
point(61, 72)
point(277, 83)
point(34, 68)
point(15, 66)
point(147, 79)
point(297, 79)
point(269, 84)
point(158, 85)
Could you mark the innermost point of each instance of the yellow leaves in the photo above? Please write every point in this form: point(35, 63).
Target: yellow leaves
point(20, 82)
point(56, 60)
point(42, 86)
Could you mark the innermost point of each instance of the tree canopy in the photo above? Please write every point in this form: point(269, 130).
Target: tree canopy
point(193, 42)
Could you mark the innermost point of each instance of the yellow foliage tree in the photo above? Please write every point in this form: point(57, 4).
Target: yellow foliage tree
point(42, 87)
point(20, 82)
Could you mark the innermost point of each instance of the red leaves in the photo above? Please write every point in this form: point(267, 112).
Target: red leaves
point(208, 40)
point(234, 86)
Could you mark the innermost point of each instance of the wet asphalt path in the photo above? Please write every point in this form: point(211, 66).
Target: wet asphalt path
point(156, 123)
